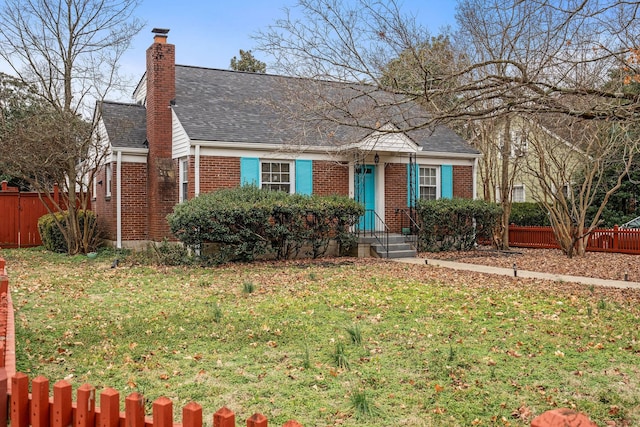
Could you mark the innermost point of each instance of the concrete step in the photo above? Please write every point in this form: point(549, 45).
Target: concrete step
point(396, 250)
point(393, 238)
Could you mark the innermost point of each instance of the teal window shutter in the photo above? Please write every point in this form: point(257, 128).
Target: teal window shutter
point(416, 184)
point(446, 181)
point(304, 177)
point(249, 171)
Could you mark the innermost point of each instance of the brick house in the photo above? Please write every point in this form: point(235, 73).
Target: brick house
point(193, 130)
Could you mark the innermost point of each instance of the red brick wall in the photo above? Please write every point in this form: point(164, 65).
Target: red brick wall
point(162, 171)
point(105, 208)
point(463, 182)
point(135, 206)
point(395, 190)
point(134, 203)
point(217, 172)
point(330, 178)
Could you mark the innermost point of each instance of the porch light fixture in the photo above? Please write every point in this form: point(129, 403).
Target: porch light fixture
point(100, 182)
point(376, 159)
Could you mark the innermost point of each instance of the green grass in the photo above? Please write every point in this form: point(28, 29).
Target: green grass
point(436, 348)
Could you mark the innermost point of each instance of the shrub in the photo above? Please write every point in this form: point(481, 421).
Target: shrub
point(246, 222)
point(52, 237)
point(528, 214)
point(455, 223)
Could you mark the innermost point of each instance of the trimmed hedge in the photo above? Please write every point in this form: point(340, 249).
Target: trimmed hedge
point(455, 223)
point(528, 214)
point(52, 238)
point(247, 222)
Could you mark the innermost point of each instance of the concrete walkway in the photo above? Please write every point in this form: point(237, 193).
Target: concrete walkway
point(521, 273)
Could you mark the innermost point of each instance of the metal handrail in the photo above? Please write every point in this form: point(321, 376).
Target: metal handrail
point(413, 226)
point(379, 230)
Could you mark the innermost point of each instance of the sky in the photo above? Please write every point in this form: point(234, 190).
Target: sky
point(208, 33)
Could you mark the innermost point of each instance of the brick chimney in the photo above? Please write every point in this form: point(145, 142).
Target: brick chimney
point(162, 172)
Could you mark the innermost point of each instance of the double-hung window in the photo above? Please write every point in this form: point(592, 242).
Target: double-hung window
point(428, 183)
point(184, 180)
point(518, 194)
point(276, 176)
point(107, 179)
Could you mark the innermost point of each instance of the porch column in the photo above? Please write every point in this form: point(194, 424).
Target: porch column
point(119, 200)
point(196, 171)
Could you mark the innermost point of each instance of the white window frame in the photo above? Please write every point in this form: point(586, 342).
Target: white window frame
point(184, 179)
point(94, 185)
point(108, 177)
point(437, 179)
point(292, 175)
point(519, 144)
point(513, 193)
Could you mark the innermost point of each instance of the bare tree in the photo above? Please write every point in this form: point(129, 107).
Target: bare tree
point(68, 52)
point(572, 174)
point(554, 65)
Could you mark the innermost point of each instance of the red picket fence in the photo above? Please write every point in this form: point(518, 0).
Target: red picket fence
point(38, 409)
point(618, 240)
point(21, 408)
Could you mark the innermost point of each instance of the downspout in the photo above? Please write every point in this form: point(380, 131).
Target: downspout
point(474, 178)
point(196, 171)
point(119, 200)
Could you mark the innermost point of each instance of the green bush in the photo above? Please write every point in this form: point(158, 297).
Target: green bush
point(50, 234)
point(528, 214)
point(455, 223)
point(247, 222)
point(52, 237)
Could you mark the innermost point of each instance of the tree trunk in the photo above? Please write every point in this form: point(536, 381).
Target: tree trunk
point(505, 187)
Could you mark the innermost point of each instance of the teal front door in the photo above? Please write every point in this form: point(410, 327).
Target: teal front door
point(365, 187)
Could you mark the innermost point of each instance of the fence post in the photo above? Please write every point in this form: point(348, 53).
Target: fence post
point(86, 406)
point(134, 410)
point(4, 283)
point(192, 415)
point(61, 415)
point(4, 397)
point(162, 412)
point(292, 423)
point(40, 402)
point(109, 408)
point(257, 420)
point(224, 418)
point(615, 237)
point(20, 400)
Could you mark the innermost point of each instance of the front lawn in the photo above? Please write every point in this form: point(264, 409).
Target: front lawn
point(345, 342)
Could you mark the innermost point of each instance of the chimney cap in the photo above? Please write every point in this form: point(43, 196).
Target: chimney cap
point(162, 31)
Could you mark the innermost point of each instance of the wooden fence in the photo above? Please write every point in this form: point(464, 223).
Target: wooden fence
point(38, 408)
point(20, 213)
point(618, 240)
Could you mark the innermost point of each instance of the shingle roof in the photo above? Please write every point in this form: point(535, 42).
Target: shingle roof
point(232, 106)
point(126, 124)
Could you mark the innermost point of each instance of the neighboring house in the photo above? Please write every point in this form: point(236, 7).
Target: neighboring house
point(528, 141)
point(194, 130)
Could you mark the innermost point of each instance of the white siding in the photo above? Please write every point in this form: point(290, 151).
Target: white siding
point(180, 143)
point(140, 94)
